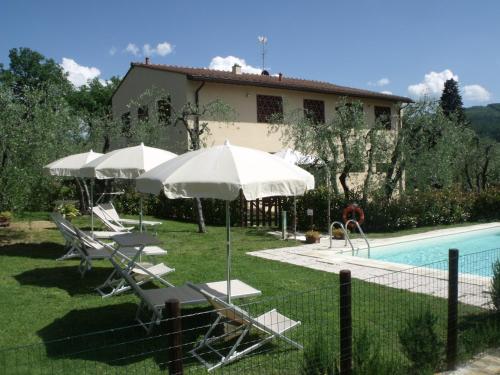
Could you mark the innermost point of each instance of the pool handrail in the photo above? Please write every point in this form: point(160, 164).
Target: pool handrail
point(360, 232)
point(346, 235)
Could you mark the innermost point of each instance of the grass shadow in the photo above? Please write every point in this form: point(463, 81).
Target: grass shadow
point(65, 277)
point(42, 250)
point(109, 335)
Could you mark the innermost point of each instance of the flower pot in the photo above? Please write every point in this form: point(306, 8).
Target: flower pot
point(338, 235)
point(312, 239)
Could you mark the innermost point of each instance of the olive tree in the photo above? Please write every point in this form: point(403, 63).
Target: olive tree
point(33, 132)
point(193, 117)
point(340, 143)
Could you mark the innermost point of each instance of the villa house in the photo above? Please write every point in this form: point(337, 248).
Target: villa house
point(253, 97)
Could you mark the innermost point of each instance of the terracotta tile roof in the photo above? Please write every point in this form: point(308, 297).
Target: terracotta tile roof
point(288, 83)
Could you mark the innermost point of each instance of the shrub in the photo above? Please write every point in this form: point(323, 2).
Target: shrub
point(495, 286)
point(409, 210)
point(421, 343)
point(478, 332)
point(68, 210)
point(368, 358)
point(312, 236)
point(5, 216)
point(319, 358)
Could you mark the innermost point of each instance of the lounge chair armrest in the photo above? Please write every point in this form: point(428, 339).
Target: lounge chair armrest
point(137, 222)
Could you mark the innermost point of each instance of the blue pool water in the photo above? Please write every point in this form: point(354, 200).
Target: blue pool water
point(472, 246)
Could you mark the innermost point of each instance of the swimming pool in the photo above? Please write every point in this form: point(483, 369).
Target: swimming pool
point(427, 251)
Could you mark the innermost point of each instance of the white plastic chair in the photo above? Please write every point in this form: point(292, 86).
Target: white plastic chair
point(272, 324)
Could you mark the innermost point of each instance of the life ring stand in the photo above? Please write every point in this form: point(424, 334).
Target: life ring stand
point(350, 212)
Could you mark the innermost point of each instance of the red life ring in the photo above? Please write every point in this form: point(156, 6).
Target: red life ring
point(349, 213)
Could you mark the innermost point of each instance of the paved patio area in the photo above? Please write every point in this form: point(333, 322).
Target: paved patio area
point(485, 364)
point(472, 289)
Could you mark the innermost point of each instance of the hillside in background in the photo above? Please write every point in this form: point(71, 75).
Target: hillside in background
point(485, 120)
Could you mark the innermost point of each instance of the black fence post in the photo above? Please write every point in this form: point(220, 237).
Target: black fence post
point(174, 337)
point(452, 336)
point(345, 323)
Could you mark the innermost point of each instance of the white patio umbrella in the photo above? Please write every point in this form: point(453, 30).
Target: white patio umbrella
point(221, 172)
point(126, 163)
point(296, 158)
point(69, 166)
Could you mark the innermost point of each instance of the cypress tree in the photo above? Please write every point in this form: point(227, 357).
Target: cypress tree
point(451, 101)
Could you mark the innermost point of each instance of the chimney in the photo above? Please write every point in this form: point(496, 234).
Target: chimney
point(236, 69)
point(280, 76)
point(146, 61)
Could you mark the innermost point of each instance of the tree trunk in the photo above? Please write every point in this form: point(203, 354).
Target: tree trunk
point(196, 144)
point(87, 194)
point(395, 170)
point(81, 196)
point(106, 144)
point(468, 179)
point(366, 184)
point(347, 167)
point(484, 169)
point(4, 159)
point(343, 181)
point(199, 216)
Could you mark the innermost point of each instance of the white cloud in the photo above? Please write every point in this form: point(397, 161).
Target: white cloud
point(161, 49)
point(383, 82)
point(78, 75)
point(112, 51)
point(147, 50)
point(226, 63)
point(164, 48)
point(432, 84)
point(380, 83)
point(476, 93)
point(132, 49)
point(386, 92)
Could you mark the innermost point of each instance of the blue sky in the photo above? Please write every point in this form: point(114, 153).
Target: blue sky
point(404, 47)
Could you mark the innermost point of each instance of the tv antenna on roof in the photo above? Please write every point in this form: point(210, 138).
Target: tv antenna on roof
point(263, 41)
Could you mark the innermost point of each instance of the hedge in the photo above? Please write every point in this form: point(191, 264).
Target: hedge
point(410, 210)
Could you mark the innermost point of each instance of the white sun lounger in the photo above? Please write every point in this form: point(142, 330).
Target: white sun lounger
point(71, 250)
point(89, 249)
point(63, 225)
point(110, 224)
point(152, 301)
point(140, 271)
point(272, 324)
point(110, 211)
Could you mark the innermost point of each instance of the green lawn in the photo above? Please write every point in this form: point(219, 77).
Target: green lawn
point(44, 300)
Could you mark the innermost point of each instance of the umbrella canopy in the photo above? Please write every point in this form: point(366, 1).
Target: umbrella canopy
point(126, 163)
point(220, 172)
point(296, 157)
point(69, 166)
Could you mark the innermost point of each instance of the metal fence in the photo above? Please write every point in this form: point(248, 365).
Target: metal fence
point(348, 325)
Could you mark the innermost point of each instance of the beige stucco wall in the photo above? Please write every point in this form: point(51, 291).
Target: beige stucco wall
point(139, 80)
point(246, 131)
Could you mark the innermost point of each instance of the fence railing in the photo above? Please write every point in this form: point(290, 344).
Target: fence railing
point(347, 325)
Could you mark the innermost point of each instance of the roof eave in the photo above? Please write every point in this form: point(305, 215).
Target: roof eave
point(273, 85)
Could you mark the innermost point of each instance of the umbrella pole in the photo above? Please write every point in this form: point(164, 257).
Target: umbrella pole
point(328, 182)
point(294, 217)
point(228, 251)
point(92, 205)
point(140, 215)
